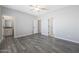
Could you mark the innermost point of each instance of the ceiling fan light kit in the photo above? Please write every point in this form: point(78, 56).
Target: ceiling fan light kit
point(38, 8)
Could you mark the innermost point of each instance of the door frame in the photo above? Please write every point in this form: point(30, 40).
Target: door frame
point(50, 26)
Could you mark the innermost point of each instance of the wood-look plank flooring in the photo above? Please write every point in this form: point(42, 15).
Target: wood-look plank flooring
point(37, 44)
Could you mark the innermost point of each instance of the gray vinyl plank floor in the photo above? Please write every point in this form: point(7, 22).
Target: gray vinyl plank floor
point(37, 44)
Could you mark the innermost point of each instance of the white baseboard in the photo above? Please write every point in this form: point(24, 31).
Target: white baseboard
point(22, 35)
point(63, 39)
point(47, 35)
point(44, 34)
point(67, 40)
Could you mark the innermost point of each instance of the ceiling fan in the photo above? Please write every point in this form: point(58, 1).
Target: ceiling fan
point(38, 8)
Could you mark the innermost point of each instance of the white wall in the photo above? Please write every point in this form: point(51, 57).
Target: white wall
point(66, 23)
point(23, 22)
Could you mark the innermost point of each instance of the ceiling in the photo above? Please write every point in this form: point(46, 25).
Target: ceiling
point(28, 9)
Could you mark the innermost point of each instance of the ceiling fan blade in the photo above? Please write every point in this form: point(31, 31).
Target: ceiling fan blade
point(43, 8)
point(34, 6)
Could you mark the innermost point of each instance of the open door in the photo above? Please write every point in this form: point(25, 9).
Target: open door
point(50, 26)
point(36, 26)
point(39, 25)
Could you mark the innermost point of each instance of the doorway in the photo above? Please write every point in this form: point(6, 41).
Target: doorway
point(50, 26)
point(37, 25)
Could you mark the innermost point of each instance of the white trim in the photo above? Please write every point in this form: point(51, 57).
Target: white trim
point(22, 35)
point(63, 38)
point(67, 40)
point(44, 34)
